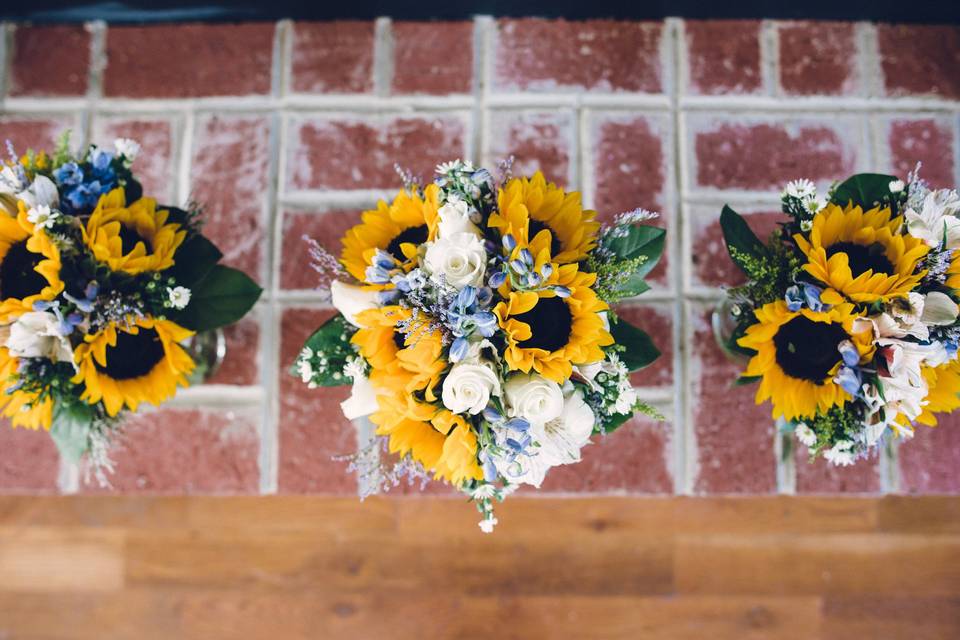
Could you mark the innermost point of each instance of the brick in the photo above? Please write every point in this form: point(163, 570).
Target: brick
point(595, 55)
point(723, 56)
point(312, 428)
point(241, 365)
point(176, 451)
point(733, 436)
point(332, 57)
point(327, 228)
point(30, 462)
point(633, 459)
point(50, 61)
point(928, 140)
point(154, 167)
point(230, 176)
point(818, 58)
point(33, 133)
point(189, 60)
point(760, 154)
point(657, 321)
point(920, 59)
point(710, 261)
point(538, 141)
point(822, 477)
point(929, 462)
point(434, 58)
point(342, 153)
point(630, 168)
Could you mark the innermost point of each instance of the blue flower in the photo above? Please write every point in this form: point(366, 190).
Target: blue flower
point(794, 298)
point(811, 294)
point(459, 349)
point(68, 175)
point(849, 353)
point(849, 380)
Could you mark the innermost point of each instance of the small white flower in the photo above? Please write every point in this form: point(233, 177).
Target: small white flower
point(306, 370)
point(306, 352)
point(350, 300)
point(178, 297)
point(484, 491)
point(533, 397)
point(460, 259)
point(896, 186)
point(806, 225)
point(354, 368)
point(37, 335)
point(841, 454)
point(127, 148)
point(800, 189)
point(487, 524)
point(626, 400)
point(42, 216)
point(468, 387)
point(805, 435)
point(814, 204)
point(454, 165)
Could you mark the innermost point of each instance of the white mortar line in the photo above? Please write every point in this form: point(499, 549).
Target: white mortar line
point(482, 26)
point(383, 57)
point(804, 105)
point(770, 58)
point(218, 396)
point(344, 199)
point(682, 462)
point(6, 60)
point(283, 58)
point(868, 48)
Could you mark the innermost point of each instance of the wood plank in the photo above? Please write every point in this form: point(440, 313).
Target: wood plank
point(919, 514)
point(904, 617)
point(42, 559)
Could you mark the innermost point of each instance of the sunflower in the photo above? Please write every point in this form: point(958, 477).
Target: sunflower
point(134, 238)
point(22, 408)
point(403, 362)
point(862, 254)
point(797, 356)
point(944, 394)
point(442, 442)
point(29, 266)
point(549, 333)
point(398, 229)
point(531, 208)
point(140, 362)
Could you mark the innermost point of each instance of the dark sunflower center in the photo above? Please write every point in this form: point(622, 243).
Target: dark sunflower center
point(536, 227)
point(129, 239)
point(134, 356)
point(808, 349)
point(398, 339)
point(863, 257)
point(416, 235)
point(550, 322)
point(17, 276)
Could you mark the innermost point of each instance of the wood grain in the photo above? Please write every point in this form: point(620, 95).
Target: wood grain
point(296, 567)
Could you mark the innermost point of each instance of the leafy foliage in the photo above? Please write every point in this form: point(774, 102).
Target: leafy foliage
point(220, 298)
point(638, 349)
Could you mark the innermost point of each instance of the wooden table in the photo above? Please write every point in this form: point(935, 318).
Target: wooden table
point(283, 568)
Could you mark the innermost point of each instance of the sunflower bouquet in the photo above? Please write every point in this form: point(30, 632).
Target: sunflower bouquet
point(475, 326)
point(101, 290)
point(849, 313)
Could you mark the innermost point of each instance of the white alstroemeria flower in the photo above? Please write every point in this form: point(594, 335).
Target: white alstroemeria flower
point(362, 400)
point(938, 309)
point(805, 435)
point(43, 191)
point(37, 335)
point(178, 297)
point(841, 454)
point(533, 397)
point(42, 216)
point(800, 189)
point(10, 182)
point(469, 386)
point(904, 359)
point(350, 300)
point(459, 260)
point(936, 221)
point(454, 217)
point(127, 148)
point(563, 437)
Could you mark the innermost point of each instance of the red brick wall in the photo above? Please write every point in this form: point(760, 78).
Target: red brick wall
point(292, 128)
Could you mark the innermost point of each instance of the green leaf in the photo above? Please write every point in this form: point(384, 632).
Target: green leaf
point(615, 422)
point(864, 189)
point(740, 239)
point(71, 429)
point(743, 381)
point(640, 240)
point(639, 348)
point(222, 297)
point(331, 339)
point(634, 286)
point(193, 260)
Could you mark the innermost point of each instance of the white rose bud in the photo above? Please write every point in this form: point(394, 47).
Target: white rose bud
point(454, 217)
point(351, 300)
point(37, 335)
point(468, 387)
point(461, 260)
point(533, 397)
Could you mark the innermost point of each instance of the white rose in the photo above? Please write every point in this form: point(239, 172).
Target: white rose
point(468, 387)
point(351, 300)
point(37, 335)
point(362, 400)
point(533, 397)
point(461, 259)
point(454, 217)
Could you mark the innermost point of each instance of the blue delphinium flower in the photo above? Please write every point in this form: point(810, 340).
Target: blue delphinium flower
point(68, 175)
